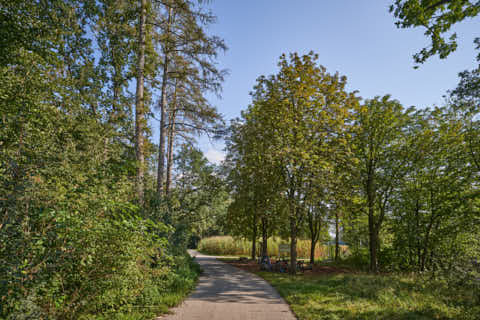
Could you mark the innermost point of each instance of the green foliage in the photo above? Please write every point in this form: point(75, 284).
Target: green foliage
point(196, 206)
point(90, 266)
point(433, 210)
point(437, 17)
point(282, 154)
point(74, 244)
point(402, 183)
point(465, 101)
point(378, 143)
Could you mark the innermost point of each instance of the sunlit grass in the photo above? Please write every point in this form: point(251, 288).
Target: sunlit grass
point(229, 246)
point(362, 296)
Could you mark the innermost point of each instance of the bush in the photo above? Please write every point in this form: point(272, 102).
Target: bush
point(358, 259)
point(91, 266)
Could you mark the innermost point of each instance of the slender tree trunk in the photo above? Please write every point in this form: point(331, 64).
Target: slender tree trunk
point(254, 238)
point(162, 129)
point(372, 230)
point(373, 234)
point(163, 106)
point(171, 137)
point(293, 240)
point(412, 231)
point(115, 113)
point(314, 233)
point(417, 242)
point(140, 104)
point(373, 251)
point(372, 246)
point(426, 243)
point(337, 234)
point(430, 226)
point(264, 237)
point(116, 89)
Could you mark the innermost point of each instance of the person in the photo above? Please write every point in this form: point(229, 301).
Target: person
point(266, 264)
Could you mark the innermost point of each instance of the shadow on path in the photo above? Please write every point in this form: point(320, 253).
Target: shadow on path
point(225, 292)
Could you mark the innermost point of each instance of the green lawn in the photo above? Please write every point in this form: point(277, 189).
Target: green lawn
point(361, 296)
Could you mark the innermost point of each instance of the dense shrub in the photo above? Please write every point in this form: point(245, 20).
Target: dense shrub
point(85, 266)
point(357, 259)
point(73, 242)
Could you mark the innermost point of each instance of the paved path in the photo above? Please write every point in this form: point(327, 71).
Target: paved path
point(228, 293)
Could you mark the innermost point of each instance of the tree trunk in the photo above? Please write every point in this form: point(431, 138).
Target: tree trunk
point(254, 238)
point(293, 242)
point(140, 104)
point(337, 233)
point(171, 137)
point(373, 243)
point(163, 106)
point(116, 94)
point(313, 244)
point(254, 243)
point(416, 231)
point(426, 244)
point(314, 227)
point(426, 241)
point(162, 129)
point(372, 230)
point(264, 237)
point(373, 251)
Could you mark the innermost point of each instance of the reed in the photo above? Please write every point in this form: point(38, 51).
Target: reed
point(229, 246)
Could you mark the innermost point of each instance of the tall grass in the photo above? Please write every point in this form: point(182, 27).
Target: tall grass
point(226, 245)
point(371, 297)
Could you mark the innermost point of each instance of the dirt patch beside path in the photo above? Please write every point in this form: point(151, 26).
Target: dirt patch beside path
point(253, 266)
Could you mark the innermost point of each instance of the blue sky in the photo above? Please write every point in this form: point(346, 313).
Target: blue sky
point(357, 38)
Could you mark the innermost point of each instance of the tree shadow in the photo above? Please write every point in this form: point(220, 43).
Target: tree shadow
point(221, 282)
point(363, 297)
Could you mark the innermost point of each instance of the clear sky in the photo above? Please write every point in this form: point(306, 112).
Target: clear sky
point(357, 38)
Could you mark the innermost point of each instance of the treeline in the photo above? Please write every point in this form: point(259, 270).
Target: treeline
point(399, 185)
point(88, 229)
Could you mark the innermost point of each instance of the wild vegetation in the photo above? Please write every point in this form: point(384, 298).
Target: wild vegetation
point(228, 246)
point(87, 231)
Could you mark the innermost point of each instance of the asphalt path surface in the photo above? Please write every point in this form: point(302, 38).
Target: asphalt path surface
point(225, 292)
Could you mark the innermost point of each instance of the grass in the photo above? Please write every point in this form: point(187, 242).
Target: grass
point(362, 296)
point(229, 246)
point(358, 295)
point(184, 282)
